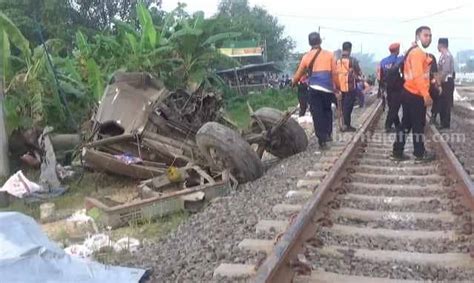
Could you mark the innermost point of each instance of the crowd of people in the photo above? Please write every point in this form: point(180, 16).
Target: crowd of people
point(412, 81)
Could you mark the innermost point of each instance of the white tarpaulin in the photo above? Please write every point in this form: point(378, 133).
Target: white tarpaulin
point(27, 255)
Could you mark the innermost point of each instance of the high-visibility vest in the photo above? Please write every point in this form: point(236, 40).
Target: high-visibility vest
point(345, 74)
point(416, 72)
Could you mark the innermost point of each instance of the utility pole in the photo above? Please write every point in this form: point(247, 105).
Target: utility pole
point(265, 54)
point(4, 168)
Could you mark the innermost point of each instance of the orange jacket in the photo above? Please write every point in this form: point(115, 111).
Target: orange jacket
point(324, 69)
point(347, 70)
point(416, 72)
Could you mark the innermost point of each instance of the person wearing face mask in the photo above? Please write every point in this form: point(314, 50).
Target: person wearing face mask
point(415, 98)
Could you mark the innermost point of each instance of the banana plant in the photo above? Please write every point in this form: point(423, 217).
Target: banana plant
point(141, 48)
point(32, 97)
point(196, 48)
point(10, 33)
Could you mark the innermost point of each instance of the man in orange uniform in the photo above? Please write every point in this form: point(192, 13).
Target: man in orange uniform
point(415, 97)
point(348, 73)
point(320, 67)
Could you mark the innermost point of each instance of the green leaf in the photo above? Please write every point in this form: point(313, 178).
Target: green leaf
point(54, 47)
point(71, 89)
point(199, 19)
point(70, 71)
point(82, 44)
point(96, 82)
point(160, 51)
point(186, 32)
point(5, 53)
point(220, 37)
point(132, 40)
point(15, 35)
point(124, 27)
point(146, 24)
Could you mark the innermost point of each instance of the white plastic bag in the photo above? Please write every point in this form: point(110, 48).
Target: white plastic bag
point(127, 243)
point(79, 251)
point(19, 186)
point(97, 242)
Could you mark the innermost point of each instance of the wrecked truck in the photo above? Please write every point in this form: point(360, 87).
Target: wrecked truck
point(180, 141)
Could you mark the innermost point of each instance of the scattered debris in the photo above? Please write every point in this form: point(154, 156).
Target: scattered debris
point(64, 172)
point(80, 216)
point(48, 178)
point(79, 251)
point(47, 211)
point(128, 159)
point(97, 242)
point(127, 244)
point(176, 142)
point(31, 160)
point(291, 193)
point(458, 97)
point(19, 186)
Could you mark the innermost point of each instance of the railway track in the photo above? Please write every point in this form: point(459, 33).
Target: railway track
point(462, 121)
point(360, 217)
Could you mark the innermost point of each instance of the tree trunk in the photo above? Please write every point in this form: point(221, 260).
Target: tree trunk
point(4, 168)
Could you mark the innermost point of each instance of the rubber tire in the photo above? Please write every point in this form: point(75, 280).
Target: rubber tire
point(293, 138)
point(241, 159)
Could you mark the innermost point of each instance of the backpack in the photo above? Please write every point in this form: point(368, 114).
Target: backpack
point(346, 75)
point(394, 77)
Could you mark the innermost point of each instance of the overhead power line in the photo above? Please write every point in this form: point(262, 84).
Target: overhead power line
point(383, 34)
point(434, 14)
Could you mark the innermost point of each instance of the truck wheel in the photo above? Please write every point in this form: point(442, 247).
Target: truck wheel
point(290, 139)
point(226, 149)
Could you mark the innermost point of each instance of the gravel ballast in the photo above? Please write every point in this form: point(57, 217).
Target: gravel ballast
point(210, 237)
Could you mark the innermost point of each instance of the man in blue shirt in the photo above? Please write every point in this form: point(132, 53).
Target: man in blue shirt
point(392, 88)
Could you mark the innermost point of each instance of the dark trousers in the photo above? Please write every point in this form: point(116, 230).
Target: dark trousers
point(394, 103)
point(414, 112)
point(361, 97)
point(320, 108)
point(446, 103)
point(348, 100)
point(303, 99)
point(436, 106)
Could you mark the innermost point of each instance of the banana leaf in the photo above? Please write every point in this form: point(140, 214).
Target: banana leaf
point(82, 44)
point(148, 31)
point(220, 37)
point(15, 35)
point(5, 54)
point(96, 82)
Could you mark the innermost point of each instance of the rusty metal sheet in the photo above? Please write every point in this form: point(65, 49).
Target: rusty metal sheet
point(128, 103)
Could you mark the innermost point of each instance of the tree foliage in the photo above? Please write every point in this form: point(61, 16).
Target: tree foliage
point(61, 18)
point(88, 40)
point(255, 23)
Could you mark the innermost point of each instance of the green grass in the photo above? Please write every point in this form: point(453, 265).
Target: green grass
point(25, 208)
point(237, 110)
point(155, 228)
point(90, 184)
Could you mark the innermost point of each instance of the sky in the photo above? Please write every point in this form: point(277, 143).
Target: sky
point(370, 25)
